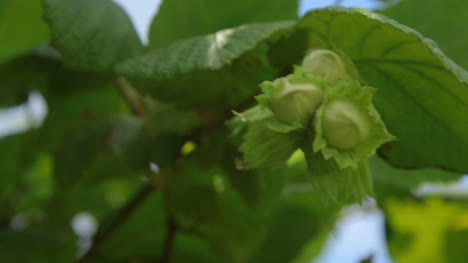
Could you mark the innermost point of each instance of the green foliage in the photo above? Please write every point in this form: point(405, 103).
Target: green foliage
point(17, 17)
point(337, 138)
point(202, 71)
point(21, 76)
point(91, 35)
point(208, 16)
point(411, 241)
point(239, 133)
point(41, 247)
point(389, 180)
point(209, 52)
point(446, 26)
point(408, 70)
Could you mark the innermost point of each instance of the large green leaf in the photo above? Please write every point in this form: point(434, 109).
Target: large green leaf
point(422, 95)
point(447, 26)
point(210, 52)
point(92, 35)
point(21, 27)
point(215, 71)
point(179, 19)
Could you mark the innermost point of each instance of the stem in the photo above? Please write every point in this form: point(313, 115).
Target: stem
point(172, 230)
point(132, 98)
point(120, 218)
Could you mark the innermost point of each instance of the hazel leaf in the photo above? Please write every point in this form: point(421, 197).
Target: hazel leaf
point(422, 93)
point(91, 35)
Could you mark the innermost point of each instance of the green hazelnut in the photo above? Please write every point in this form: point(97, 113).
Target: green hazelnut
point(345, 126)
point(296, 102)
point(326, 63)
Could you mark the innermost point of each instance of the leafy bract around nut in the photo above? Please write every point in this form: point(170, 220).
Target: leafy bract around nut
point(347, 126)
point(242, 119)
point(264, 147)
point(294, 98)
point(326, 63)
point(344, 185)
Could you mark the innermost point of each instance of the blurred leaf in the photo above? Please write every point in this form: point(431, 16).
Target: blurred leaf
point(32, 247)
point(368, 260)
point(447, 26)
point(166, 118)
point(388, 179)
point(200, 17)
point(193, 249)
point(213, 210)
point(35, 186)
point(145, 228)
point(408, 70)
point(73, 97)
point(131, 141)
point(18, 156)
point(291, 223)
point(21, 27)
point(455, 247)
point(81, 146)
point(312, 248)
point(91, 35)
point(418, 229)
point(21, 76)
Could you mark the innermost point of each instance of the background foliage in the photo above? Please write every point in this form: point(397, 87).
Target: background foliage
point(117, 108)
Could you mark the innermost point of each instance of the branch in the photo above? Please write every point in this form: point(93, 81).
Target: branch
point(121, 217)
point(172, 230)
point(132, 98)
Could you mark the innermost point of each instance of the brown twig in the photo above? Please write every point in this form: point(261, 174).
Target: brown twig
point(171, 233)
point(122, 215)
point(130, 95)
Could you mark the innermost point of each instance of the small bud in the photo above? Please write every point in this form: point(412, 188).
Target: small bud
point(295, 103)
point(326, 63)
point(344, 126)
